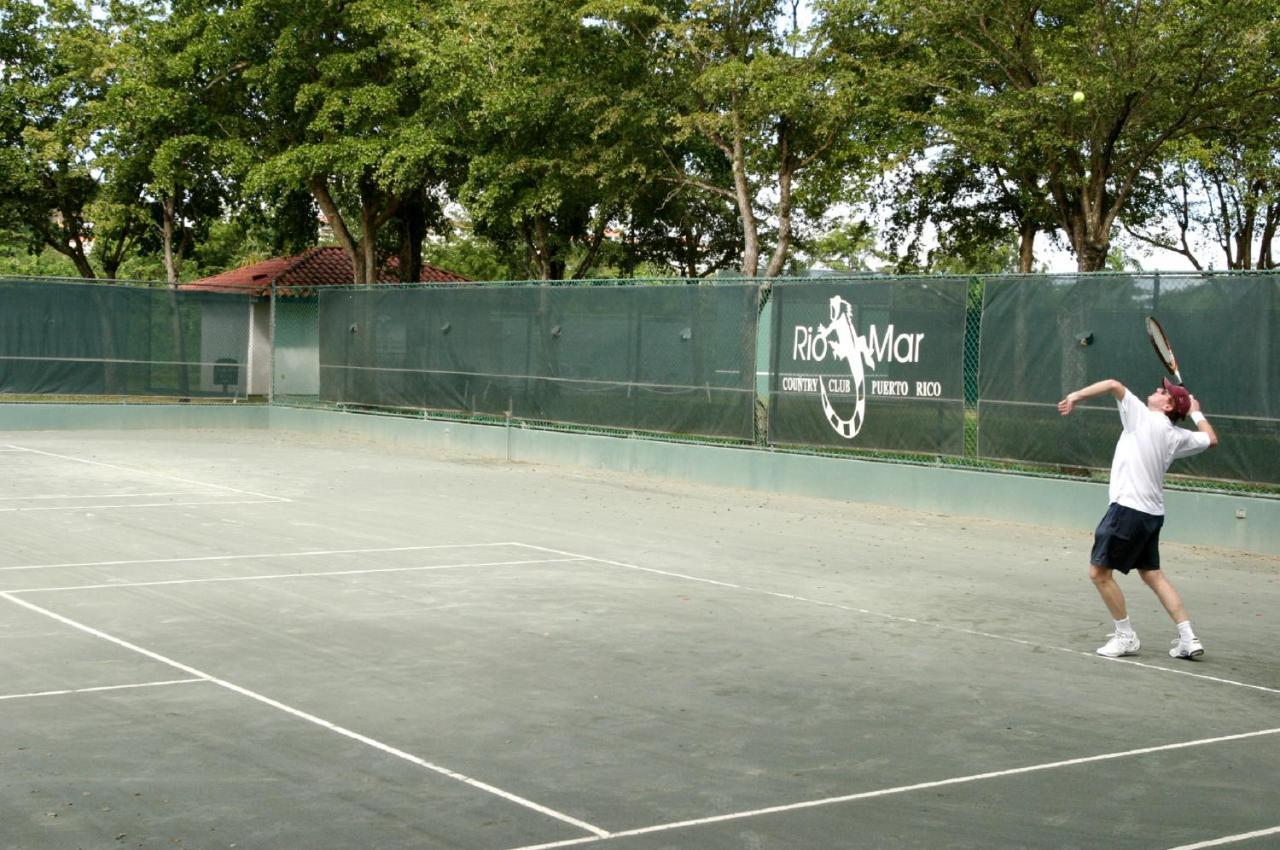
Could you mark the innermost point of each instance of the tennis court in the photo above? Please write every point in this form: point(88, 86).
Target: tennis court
point(261, 639)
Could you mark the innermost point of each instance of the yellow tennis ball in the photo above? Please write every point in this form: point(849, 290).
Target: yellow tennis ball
point(1078, 97)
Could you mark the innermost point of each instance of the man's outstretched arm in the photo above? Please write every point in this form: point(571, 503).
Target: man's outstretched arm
point(1202, 424)
point(1110, 385)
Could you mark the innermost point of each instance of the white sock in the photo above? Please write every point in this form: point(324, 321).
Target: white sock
point(1184, 630)
point(1124, 627)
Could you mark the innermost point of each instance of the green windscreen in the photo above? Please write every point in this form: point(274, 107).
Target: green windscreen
point(676, 359)
point(100, 339)
point(902, 388)
point(1043, 337)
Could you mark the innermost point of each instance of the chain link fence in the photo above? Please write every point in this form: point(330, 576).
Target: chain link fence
point(137, 341)
point(949, 371)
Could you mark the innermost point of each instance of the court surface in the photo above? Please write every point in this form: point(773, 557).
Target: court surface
point(253, 639)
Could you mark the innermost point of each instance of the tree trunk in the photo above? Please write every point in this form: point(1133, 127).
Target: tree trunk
point(742, 194)
point(1265, 258)
point(71, 246)
point(779, 258)
point(83, 267)
point(1027, 247)
point(1092, 257)
point(169, 218)
point(320, 189)
point(785, 171)
point(413, 229)
point(1089, 240)
point(541, 252)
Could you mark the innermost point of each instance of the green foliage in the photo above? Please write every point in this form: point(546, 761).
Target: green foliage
point(686, 137)
point(1003, 73)
point(555, 134)
point(848, 247)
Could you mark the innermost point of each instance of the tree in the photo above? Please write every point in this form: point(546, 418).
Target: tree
point(337, 105)
point(1091, 95)
point(973, 211)
point(20, 53)
point(173, 124)
point(60, 69)
point(552, 119)
point(849, 247)
point(1228, 190)
point(786, 111)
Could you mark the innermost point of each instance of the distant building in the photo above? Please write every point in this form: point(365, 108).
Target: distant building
point(297, 281)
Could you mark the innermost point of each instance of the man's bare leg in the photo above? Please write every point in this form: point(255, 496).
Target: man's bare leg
point(1187, 645)
point(1123, 641)
point(1110, 592)
point(1166, 593)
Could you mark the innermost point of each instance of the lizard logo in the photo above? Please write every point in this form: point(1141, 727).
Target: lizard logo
point(850, 346)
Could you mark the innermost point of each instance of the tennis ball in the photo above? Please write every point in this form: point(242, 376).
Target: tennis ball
point(1078, 97)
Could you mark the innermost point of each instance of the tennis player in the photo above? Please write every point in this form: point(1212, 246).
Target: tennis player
point(1129, 534)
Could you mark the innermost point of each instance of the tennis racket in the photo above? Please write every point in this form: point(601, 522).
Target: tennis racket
point(1160, 342)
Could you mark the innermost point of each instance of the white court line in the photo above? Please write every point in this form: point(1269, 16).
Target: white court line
point(96, 496)
point(156, 475)
point(904, 789)
point(311, 718)
point(100, 689)
point(912, 620)
point(375, 570)
point(268, 501)
point(1230, 839)
point(256, 556)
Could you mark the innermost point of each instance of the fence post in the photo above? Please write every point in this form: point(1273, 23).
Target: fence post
point(271, 347)
point(763, 363)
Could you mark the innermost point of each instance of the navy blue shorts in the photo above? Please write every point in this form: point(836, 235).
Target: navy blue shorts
point(1126, 539)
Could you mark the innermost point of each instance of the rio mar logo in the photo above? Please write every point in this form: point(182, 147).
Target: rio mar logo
point(840, 338)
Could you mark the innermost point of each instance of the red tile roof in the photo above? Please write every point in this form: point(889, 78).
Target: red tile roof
point(302, 274)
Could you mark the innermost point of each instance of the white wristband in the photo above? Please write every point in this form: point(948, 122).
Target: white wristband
point(1197, 417)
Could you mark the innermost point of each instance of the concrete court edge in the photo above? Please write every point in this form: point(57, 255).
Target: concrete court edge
point(1206, 519)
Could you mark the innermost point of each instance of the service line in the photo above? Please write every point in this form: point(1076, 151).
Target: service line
point(277, 576)
point(256, 556)
point(311, 718)
point(268, 501)
point(100, 689)
point(135, 471)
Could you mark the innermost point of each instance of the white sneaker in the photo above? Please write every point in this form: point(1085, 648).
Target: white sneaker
point(1186, 648)
point(1121, 643)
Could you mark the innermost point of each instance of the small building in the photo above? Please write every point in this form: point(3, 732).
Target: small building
point(296, 282)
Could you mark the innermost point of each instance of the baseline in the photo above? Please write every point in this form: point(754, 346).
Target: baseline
point(911, 620)
point(905, 789)
point(1230, 839)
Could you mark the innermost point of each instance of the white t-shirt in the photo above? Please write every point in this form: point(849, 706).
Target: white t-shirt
point(1150, 443)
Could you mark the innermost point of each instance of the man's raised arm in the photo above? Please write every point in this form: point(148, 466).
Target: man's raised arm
point(1110, 385)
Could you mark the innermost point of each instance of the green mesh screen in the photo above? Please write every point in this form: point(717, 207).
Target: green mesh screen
point(100, 339)
point(1043, 337)
point(676, 359)
point(904, 391)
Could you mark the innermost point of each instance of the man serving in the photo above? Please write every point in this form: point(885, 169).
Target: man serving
point(1128, 536)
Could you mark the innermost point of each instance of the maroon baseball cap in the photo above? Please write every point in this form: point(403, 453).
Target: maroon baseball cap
point(1180, 397)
